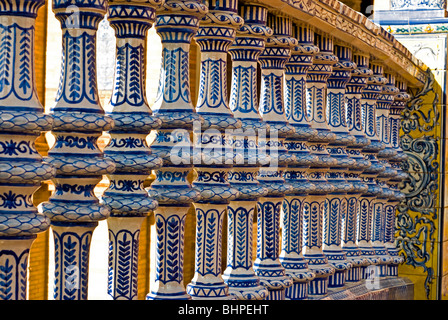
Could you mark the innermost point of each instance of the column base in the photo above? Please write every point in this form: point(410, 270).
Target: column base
point(209, 291)
point(272, 275)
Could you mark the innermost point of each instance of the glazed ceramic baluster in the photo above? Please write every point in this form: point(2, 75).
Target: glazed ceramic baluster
point(216, 33)
point(272, 60)
point(249, 42)
point(297, 173)
point(176, 23)
point(396, 107)
point(79, 121)
point(366, 202)
point(338, 199)
point(355, 125)
point(384, 101)
point(316, 203)
point(22, 169)
point(128, 202)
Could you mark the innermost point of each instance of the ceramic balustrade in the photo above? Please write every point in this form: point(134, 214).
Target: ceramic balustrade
point(22, 169)
point(177, 22)
point(384, 102)
point(126, 198)
point(250, 39)
point(216, 33)
point(397, 106)
point(316, 203)
point(355, 125)
point(296, 174)
point(272, 60)
point(366, 203)
point(79, 120)
point(338, 198)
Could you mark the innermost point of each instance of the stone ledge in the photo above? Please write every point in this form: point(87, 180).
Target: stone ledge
point(385, 289)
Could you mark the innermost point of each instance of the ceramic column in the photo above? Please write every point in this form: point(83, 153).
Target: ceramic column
point(126, 198)
point(216, 33)
point(338, 199)
point(249, 42)
point(79, 120)
point(384, 101)
point(296, 174)
point(176, 23)
point(366, 202)
point(316, 203)
point(21, 167)
point(355, 125)
point(396, 108)
point(272, 61)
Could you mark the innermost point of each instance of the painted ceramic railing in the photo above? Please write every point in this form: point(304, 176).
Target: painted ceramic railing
point(338, 199)
point(216, 33)
point(21, 167)
point(316, 157)
point(366, 203)
point(383, 104)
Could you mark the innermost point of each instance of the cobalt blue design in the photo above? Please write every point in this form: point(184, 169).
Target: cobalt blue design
point(22, 169)
point(126, 198)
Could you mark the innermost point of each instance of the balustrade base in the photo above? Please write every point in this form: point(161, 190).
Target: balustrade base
point(393, 288)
